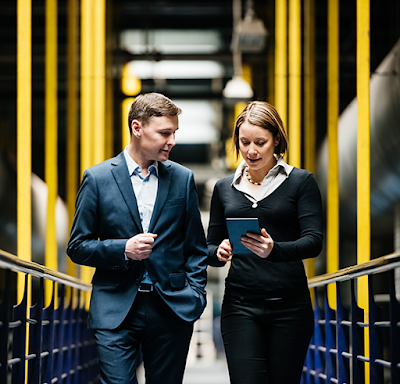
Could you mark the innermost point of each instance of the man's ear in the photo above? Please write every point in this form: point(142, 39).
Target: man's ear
point(136, 128)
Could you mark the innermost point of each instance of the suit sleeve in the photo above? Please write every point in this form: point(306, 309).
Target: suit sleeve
point(84, 246)
point(195, 248)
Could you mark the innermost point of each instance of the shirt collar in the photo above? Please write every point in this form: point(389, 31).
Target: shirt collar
point(134, 166)
point(280, 166)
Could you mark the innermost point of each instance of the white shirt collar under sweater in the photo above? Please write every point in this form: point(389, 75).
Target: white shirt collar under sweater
point(274, 178)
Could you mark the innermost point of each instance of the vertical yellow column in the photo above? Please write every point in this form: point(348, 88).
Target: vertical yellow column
point(24, 148)
point(109, 134)
point(87, 95)
point(333, 167)
point(281, 58)
point(87, 56)
point(309, 85)
point(72, 115)
point(99, 71)
point(130, 86)
point(294, 83)
point(309, 99)
point(51, 127)
point(363, 158)
point(24, 138)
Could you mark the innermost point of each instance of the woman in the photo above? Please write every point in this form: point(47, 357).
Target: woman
point(267, 318)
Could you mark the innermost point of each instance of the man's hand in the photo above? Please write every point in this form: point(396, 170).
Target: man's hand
point(140, 246)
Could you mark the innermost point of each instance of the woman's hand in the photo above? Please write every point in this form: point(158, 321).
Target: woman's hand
point(224, 251)
point(261, 245)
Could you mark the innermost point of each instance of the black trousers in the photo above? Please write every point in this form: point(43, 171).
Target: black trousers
point(266, 341)
point(164, 339)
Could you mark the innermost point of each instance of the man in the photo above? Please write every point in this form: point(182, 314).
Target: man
point(137, 222)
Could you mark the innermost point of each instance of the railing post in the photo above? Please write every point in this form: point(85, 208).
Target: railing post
point(35, 337)
point(319, 339)
point(75, 337)
point(68, 332)
point(394, 331)
point(48, 342)
point(4, 324)
point(59, 326)
point(19, 338)
point(343, 341)
point(357, 337)
point(330, 340)
point(375, 337)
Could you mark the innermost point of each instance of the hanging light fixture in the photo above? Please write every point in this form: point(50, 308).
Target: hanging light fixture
point(245, 33)
point(237, 88)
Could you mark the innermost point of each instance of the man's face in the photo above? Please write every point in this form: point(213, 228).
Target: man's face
point(158, 137)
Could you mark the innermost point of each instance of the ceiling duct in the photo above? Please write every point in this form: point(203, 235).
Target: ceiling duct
point(237, 89)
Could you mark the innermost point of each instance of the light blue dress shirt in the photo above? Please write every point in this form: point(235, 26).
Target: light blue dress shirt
point(145, 189)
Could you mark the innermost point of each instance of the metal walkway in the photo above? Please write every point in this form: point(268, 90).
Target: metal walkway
point(201, 372)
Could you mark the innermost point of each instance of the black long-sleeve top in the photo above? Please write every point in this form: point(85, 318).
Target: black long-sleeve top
point(292, 217)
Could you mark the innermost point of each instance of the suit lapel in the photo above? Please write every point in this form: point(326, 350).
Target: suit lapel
point(122, 178)
point(164, 183)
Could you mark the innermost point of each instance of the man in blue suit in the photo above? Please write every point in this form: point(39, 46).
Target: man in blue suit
point(137, 222)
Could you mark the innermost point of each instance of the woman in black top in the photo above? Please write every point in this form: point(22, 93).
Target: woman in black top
point(267, 318)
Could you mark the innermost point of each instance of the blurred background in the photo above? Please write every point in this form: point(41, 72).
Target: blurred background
point(90, 58)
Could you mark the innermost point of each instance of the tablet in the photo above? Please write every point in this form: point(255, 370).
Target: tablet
point(238, 227)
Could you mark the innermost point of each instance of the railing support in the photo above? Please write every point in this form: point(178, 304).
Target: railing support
point(60, 347)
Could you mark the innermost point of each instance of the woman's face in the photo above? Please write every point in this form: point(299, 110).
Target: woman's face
point(257, 146)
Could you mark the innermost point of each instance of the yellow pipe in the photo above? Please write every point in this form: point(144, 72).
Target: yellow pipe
point(109, 134)
point(363, 158)
point(309, 85)
point(281, 58)
point(99, 63)
point(24, 150)
point(87, 96)
point(51, 126)
point(309, 99)
point(109, 122)
point(72, 115)
point(333, 170)
point(24, 138)
point(294, 83)
point(86, 84)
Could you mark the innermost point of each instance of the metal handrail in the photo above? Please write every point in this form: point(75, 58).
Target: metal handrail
point(340, 351)
point(380, 264)
point(14, 263)
point(40, 343)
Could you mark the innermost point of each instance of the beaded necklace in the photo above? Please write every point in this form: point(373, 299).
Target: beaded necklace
point(249, 178)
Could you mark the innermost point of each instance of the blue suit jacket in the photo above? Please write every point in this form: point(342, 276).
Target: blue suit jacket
point(106, 216)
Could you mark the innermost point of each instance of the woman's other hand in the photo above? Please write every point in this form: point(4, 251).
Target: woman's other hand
point(224, 252)
point(261, 245)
